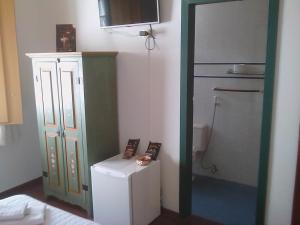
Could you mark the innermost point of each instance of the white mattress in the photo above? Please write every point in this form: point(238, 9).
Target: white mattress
point(53, 216)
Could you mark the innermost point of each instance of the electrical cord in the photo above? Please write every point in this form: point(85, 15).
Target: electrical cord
point(213, 168)
point(150, 42)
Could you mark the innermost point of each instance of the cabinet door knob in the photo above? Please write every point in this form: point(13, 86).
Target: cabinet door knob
point(58, 133)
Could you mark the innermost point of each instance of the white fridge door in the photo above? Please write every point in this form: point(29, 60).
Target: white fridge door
point(111, 198)
point(146, 194)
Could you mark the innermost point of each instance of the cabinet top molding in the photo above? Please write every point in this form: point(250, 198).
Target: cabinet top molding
point(70, 54)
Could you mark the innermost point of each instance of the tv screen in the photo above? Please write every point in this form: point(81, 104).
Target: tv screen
point(128, 12)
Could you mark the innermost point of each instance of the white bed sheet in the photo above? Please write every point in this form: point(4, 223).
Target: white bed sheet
point(53, 215)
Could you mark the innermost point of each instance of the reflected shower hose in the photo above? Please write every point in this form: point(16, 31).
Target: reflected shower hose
point(212, 167)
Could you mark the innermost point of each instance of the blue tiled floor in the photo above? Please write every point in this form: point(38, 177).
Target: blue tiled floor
point(224, 202)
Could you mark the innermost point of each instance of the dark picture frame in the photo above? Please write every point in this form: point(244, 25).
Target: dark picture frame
point(65, 38)
point(153, 150)
point(131, 148)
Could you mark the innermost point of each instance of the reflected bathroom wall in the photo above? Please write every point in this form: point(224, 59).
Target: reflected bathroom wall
point(231, 31)
point(234, 145)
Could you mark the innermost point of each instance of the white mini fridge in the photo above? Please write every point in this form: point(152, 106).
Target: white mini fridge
point(125, 193)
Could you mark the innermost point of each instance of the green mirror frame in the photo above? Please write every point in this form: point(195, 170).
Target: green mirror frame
point(186, 104)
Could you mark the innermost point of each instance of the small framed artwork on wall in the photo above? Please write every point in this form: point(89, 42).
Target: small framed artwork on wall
point(65, 38)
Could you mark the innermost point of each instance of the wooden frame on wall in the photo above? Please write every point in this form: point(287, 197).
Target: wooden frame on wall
point(186, 104)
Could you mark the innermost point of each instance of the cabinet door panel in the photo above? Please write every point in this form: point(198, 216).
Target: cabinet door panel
point(47, 97)
point(48, 113)
point(69, 108)
point(53, 160)
point(73, 175)
point(71, 124)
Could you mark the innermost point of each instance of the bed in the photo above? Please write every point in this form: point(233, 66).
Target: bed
point(53, 215)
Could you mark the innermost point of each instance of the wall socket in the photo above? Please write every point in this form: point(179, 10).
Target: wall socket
point(144, 33)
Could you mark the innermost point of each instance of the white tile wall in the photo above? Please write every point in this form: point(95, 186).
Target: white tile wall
point(234, 146)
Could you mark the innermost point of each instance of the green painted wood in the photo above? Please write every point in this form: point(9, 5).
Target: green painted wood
point(47, 94)
point(70, 105)
point(48, 114)
point(267, 111)
point(100, 92)
point(100, 100)
point(186, 108)
point(73, 162)
point(53, 161)
point(186, 104)
point(85, 113)
point(67, 99)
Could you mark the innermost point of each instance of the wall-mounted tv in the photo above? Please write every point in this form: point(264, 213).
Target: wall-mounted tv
point(115, 13)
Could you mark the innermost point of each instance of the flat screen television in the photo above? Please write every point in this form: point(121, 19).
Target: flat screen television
point(115, 13)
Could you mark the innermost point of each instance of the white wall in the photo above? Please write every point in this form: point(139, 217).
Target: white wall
point(148, 84)
point(286, 117)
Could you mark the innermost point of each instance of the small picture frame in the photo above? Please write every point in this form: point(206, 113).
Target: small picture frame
point(65, 38)
point(131, 148)
point(153, 150)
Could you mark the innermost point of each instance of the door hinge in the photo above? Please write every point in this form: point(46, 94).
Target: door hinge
point(37, 78)
point(78, 80)
point(85, 187)
point(45, 174)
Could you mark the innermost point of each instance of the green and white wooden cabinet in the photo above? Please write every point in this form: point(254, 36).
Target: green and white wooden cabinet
point(76, 106)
